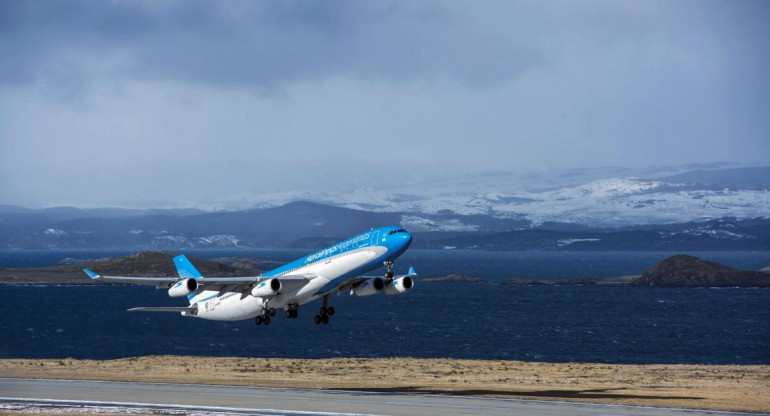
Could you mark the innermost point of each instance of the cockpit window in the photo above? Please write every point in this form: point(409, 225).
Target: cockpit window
point(400, 230)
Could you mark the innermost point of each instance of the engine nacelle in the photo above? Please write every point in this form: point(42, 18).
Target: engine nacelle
point(369, 287)
point(399, 286)
point(183, 288)
point(268, 287)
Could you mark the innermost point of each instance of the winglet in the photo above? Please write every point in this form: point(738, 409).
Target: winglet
point(91, 274)
point(412, 272)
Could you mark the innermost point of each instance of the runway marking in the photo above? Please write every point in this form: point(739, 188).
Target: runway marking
point(252, 395)
point(178, 406)
point(445, 405)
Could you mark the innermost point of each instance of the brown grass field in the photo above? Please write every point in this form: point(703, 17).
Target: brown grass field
point(718, 387)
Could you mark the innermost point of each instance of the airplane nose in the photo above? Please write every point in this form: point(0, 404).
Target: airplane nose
point(406, 239)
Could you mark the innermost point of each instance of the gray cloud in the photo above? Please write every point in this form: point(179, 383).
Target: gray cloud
point(141, 102)
point(252, 44)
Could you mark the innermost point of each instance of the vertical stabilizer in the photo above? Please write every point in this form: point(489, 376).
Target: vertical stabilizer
point(186, 270)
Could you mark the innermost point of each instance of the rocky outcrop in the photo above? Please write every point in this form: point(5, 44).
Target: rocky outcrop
point(622, 280)
point(688, 271)
point(453, 278)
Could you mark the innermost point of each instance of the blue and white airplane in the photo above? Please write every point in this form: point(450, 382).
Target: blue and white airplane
point(334, 269)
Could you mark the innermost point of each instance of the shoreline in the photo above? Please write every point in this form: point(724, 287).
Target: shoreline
point(744, 388)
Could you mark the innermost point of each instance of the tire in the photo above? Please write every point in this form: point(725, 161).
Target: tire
point(323, 310)
point(266, 320)
point(264, 312)
point(389, 275)
point(258, 320)
point(272, 311)
point(294, 313)
point(330, 310)
point(289, 314)
point(317, 319)
point(325, 319)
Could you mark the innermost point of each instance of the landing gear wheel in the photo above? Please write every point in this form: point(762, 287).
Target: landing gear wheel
point(389, 269)
point(258, 320)
point(317, 319)
point(272, 311)
point(325, 319)
point(294, 313)
point(264, 312)
point(330, 310)
point(289, 314)
point(323, 310)
point(266, 320)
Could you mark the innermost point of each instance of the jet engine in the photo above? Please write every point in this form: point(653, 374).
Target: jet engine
point(399, 286)
point(265, 288)
point(183, 288)
point(369, 287)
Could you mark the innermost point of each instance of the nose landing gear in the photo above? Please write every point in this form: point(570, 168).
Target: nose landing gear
point(388, 270)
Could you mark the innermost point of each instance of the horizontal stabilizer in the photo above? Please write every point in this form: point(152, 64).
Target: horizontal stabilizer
point(91, 274)
point(163, 309)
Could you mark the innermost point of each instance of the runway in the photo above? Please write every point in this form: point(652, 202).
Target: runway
point(170, 398)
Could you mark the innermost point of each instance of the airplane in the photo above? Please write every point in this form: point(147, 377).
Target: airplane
point(335, 269)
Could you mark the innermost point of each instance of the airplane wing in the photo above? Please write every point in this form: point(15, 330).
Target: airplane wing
point(210, 283)
point(163, 309)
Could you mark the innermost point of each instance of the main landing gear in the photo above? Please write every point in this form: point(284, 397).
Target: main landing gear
point(292, 312)
point(265, 317)
point(325, 312)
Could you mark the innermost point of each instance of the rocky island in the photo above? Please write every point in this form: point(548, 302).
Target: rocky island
point(688, 271)
point(676, 271)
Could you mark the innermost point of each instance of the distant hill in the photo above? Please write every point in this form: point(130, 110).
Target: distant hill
point(140, 264)
point(308, 226)
point(688, 271)
point(599, 198)
point(753, 178)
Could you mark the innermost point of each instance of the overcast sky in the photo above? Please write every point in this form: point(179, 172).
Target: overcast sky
point(159, 103)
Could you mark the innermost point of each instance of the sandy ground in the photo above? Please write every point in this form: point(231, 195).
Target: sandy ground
point(736, 388)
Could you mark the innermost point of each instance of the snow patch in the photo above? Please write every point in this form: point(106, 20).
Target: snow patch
point(416, 223)
point(221, 240)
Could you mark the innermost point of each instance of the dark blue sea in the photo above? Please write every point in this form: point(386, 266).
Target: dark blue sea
point(613, 324)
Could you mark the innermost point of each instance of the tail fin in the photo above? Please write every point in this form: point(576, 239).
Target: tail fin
point(186, 269)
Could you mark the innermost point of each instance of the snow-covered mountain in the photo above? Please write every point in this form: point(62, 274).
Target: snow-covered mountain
point(662, 196)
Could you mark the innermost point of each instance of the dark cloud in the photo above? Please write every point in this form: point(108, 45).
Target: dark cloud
point(126, 97)
point(252, 44)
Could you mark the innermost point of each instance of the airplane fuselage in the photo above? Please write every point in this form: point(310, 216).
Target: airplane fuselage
point(323, 269)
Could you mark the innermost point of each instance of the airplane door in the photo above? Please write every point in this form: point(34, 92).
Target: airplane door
point(375, 238)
